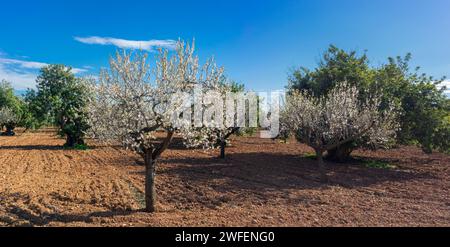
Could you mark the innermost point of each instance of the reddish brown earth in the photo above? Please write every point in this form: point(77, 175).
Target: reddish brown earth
point(261, 183)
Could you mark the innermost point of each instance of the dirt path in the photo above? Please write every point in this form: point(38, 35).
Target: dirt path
point(261, 183)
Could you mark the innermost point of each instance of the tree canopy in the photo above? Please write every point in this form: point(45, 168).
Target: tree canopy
point(60, 99)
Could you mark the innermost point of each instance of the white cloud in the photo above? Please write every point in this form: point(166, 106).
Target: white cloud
point(78, 70)
point(33, 65)
point(22, 63)
point(20, 81)
point(128, 44)
point(22, 73)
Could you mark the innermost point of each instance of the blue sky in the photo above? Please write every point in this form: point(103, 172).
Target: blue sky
point(256, 41)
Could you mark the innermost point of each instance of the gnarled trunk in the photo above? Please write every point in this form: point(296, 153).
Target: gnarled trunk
point(150, 170)
point(341, 153)
point(73, 141)
point(10, 130)
point(70, 142)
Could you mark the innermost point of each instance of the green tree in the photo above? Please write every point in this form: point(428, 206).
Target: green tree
point(36, 107)
point(335, 67)
point(441, 136)
point(72, 115)
point(31, 113)
point(8, 98)
point(61, 99)
point(11, 108)
point(424, 106)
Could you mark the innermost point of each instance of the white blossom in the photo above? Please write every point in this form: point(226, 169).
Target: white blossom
point(129, 107)
point(339, 117)
point(8, 117)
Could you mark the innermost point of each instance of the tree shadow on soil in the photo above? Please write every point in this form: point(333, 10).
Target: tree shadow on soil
point(33, 216)
point(239, 179)
point(260, 171)
point(260, 178)
point(32, 147)
point(42, 147)
point(47, 218)
point(42, 219)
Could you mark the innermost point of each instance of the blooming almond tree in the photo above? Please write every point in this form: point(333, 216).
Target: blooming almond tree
point(221, 103)
point(9, 120)
point(336, 118)
point(131, 108)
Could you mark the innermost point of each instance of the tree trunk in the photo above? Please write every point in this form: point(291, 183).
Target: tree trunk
point(10, 131)
point(150, 194)
point(150, 158)
point(323, 173)
point(341, 153)
point(223, 145)
point(73, 140)
point(69, 141)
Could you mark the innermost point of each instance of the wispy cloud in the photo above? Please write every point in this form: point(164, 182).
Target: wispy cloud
point(22, 63)
point(22, 73)
point(79, 71)
point(128, 44)
point(34, 65)
point(19, 80)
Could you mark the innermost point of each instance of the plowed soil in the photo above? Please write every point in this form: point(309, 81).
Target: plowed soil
point(261, 183)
